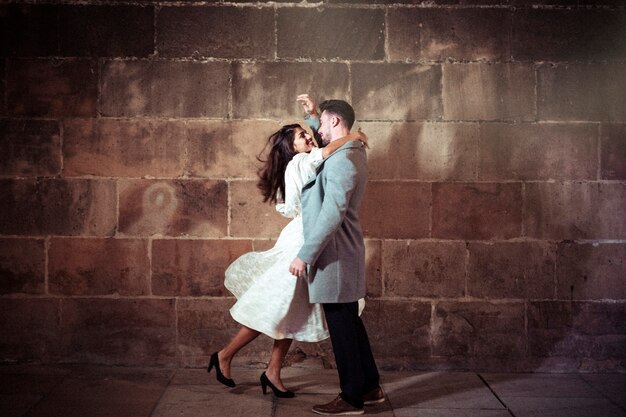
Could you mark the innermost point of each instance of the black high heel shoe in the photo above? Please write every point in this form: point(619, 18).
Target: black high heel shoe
point(265, 382)
point(215, 362)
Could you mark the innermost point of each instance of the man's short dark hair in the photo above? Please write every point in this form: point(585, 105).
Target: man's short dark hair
point(339, 108)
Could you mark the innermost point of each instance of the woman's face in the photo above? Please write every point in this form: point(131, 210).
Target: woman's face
point(302, 141)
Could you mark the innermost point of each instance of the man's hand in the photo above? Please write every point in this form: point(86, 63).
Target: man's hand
point(297, 268)
point(310, 107)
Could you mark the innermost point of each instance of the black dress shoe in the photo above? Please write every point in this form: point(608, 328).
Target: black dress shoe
point(265, 382)
point(215, 362)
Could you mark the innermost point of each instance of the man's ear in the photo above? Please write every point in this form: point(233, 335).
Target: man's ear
point(334, 121)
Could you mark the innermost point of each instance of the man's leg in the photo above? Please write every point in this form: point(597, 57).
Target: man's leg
point(368, 365)
point(343, 326)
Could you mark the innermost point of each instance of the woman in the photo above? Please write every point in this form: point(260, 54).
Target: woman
point(269, 299)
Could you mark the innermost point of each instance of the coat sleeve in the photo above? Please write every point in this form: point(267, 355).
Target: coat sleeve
point(341, 179)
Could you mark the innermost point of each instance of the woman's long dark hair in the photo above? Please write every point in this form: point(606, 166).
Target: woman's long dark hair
point(272, 173)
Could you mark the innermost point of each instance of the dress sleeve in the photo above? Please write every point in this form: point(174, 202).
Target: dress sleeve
point(292, 205)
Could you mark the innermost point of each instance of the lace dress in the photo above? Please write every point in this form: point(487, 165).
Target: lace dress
point(270, 299)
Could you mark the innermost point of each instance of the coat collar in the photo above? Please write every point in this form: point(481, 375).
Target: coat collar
point(348, 145)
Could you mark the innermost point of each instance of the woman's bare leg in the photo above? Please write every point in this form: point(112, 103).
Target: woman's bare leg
point(279, 351)
point(244, 336)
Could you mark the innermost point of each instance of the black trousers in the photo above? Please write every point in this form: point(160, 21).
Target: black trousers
point(355, 363)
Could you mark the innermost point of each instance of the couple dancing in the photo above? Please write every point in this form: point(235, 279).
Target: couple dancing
point(321, 190)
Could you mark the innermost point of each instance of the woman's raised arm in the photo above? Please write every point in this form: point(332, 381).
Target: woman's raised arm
point(336, 144)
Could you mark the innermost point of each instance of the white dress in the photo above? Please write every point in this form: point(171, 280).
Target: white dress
point(270, 299)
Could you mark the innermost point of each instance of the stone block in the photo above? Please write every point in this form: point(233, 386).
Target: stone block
point(29, 30)
point(250, 216)
point(489, 91)
point(581, 92)
point(173, 208)
point(204, 327)
point(79, 266)
point(474, 329)
point(423, 269)
point(581, 35)
point(59, 88)
point(398, 329)
point(591, 271)
point(126, 331)
point(477, 211)
point(577, 329)
point(165, 88)
point(396, 210)
point(440, 34)
point(511, 270)
point(57, 207)
point(422, 151)
point(355, 34)
point(538, 151)
point(30, 148)
point(220, 149)
point(575, 210)
point(373, 267)
point(30, 329)
point(123, 148)
point(106, 31)
point(396, 91)
point(221, 32)
point(22, 266)
point(193, 267)
point(613, 151)
point(284, 80)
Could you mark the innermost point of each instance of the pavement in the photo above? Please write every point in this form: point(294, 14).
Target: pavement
point(96, 391)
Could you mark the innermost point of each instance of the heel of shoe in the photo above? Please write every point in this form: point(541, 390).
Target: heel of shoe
point(264, 384)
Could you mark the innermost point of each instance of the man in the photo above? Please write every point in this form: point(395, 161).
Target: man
point(334, 249)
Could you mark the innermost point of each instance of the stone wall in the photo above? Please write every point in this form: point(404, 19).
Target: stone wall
point(495, 213)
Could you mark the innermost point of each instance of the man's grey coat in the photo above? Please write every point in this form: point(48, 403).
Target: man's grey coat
point(333, 240)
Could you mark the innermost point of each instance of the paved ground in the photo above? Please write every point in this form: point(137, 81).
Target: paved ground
point(88, 391)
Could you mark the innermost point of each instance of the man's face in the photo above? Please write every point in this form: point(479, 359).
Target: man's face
point(324, 130)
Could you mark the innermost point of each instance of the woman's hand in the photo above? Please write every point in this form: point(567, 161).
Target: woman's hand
point(362, 137)
point(309, 105)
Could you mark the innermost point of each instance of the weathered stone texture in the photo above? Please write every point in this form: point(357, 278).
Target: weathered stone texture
point(79, 266)
point(477, 211)
point(613, 152)
point(269, 89)
point(511, 270)
point(119, 331)
point(538, 152)
point(396, 91)
point(575, 210)
point(173, 208)
point(57, 206)
point(60, 88)
point(396, 210)
point(204, 327)
point(30, 329)
point(424, 151)
point(488, 92)
point(227, 149)
point(331, 33)
point(373, 267)
point(106, 31)
point(22, 266)
point(440, 34)
point(423, 269)
point(222, 32)
point(193, 267)
point(30, 148)
point(580, 35)
point(123, 148)
point(28, 30)
point(472, 329)
point(250, 216)
point(165, 88)
point(581, 92)
point(577, 329)
point(591, 271)
point(398, 329)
